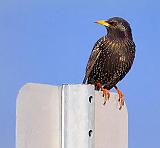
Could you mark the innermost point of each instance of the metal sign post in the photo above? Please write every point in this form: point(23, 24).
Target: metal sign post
point(69, 116)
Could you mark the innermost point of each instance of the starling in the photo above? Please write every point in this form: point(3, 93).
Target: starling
point(111, 58)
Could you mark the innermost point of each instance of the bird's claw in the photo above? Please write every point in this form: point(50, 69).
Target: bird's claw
point(121, 97)
point(106, 95)
point(121, 101)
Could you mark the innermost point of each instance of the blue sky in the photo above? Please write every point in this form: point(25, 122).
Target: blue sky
point(46, 41)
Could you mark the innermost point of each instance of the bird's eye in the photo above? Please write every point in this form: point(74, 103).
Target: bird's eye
point(113, 23)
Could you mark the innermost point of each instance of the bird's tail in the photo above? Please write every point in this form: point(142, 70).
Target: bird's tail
point(84, 80)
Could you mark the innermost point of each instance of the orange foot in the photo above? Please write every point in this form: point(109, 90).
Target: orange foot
point(121, 97)
point(106, 93)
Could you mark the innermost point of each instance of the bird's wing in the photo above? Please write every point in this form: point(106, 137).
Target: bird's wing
point(92, 59)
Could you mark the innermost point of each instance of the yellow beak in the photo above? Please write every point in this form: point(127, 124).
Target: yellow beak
point(103, 22)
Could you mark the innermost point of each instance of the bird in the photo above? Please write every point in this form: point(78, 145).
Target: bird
point(111, 58)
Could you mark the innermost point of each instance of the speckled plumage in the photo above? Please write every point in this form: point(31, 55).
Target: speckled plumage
point(112, 55)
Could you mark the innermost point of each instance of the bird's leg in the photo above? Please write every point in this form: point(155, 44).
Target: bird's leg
point(106, 93)
point(121, 97)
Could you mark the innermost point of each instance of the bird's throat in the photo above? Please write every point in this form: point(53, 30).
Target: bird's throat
point(116, 34)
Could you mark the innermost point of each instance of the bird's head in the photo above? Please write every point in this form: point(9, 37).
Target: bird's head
point(117, 27)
